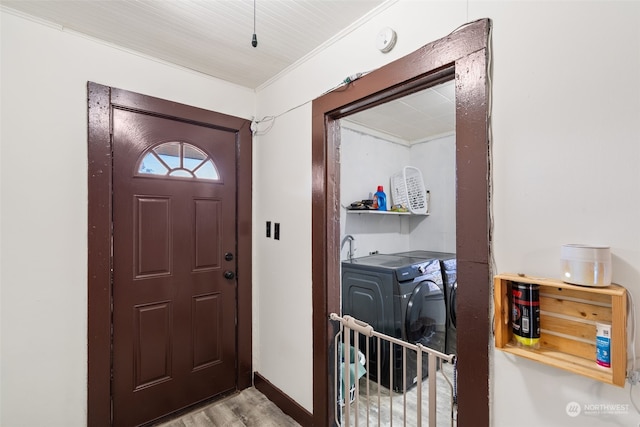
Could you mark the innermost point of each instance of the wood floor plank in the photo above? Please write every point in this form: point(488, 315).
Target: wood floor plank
point(249, 408)
point(391, 408)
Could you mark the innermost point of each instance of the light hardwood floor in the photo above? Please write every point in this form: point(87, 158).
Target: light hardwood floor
point(392, 405)
point(249, 408)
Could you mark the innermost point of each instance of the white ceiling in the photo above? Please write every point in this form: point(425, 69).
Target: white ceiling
point(414, 118)
point(214, 38)
point(210, 36)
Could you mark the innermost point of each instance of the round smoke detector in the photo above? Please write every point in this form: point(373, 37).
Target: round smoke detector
point(386, 39)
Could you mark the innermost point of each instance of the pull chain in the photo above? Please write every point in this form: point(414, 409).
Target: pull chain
point(254, 39)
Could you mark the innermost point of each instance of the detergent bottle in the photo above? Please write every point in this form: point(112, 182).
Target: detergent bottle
point(380, 199)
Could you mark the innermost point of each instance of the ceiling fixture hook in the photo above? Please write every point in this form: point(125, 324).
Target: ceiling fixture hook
point(254, 39)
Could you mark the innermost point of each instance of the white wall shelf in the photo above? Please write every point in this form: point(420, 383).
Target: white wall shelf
point(375, 212)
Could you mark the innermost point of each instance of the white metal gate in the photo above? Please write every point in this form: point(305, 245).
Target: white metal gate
point(380, 406)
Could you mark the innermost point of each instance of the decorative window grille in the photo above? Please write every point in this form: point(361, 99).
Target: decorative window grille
point(178, 160)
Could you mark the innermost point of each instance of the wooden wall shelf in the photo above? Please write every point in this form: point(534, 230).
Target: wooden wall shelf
point(567, 325)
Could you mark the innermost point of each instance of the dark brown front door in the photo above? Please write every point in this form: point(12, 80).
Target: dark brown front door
point(174, 261)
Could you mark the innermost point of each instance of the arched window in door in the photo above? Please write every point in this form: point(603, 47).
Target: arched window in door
point(177, 159)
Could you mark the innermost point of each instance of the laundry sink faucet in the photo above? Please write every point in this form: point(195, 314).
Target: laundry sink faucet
point(350, 239)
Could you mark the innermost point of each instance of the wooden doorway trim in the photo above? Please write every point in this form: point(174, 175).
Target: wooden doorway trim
point(100, 101)
point(464, 56)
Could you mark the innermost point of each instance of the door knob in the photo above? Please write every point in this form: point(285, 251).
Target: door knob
point(229, 274)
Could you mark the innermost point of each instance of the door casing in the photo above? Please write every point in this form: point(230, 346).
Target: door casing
point(464, 56)
point(101, 99)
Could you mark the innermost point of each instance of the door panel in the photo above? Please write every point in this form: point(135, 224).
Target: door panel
point(207, 233)
point(152, 344)
point(174, 313)
point(207, 335)
point(153, 236)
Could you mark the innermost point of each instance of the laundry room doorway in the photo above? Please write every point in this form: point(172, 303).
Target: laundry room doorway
point(408, 147)
point(461, 57)
point(398, 264)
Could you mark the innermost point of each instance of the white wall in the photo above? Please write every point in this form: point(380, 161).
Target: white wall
point(566, 118)
point(367, 161)
point(281, 272)
point(44, 205)
point(436, 159)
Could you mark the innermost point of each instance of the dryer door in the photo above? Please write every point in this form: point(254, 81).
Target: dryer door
point(426, 316)
point(452, 334)
point(452, 304)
